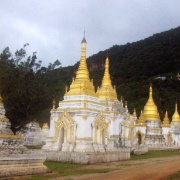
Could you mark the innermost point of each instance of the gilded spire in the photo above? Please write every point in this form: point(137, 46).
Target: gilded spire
point(45, 126)
point(82, 73)
point(82, 84)
point(54, 104)
point(141, 121)
point(106, 91)
point(150, 109)
point(175, 117)
point(2, 111)
point(1, 101)
point(166, 122)
point(178, 76)
point(106, 78)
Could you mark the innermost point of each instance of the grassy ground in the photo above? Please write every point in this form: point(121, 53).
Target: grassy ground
point(155, 154)
point(66, 169)
point(34, 147)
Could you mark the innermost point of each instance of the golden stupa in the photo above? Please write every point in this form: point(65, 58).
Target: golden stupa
point(106, 91)
point(45, 126)
point(1, 101)
point(141, 121)
point(150, 109)
point(175, 117)
point(166, 122)
point(82, 85)
point(2, 115)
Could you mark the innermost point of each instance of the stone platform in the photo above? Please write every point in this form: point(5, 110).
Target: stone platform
point(28, 163)
point(88, 158)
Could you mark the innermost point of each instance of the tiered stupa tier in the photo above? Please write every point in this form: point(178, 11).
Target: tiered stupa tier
point(176, 117)
point(106, 91)
point(153, 136)
point(166, 122)
point(82, 84)
point(150, 109)
point(141, 121)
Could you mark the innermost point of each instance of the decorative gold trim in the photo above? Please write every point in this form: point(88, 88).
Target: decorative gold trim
point(10, 136)
point(114, 136)
point(85, 139)
point(65, 121)
point(84, 117)
point(5, 119)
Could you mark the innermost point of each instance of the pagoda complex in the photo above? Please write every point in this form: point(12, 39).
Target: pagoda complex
point(96, 124)
point(87, 121)
point(154, 133)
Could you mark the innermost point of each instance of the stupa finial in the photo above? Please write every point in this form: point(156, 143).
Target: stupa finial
point(176, 117)
point(106, 78)
point(54, 104)
point(84, 39)
point(82, 84)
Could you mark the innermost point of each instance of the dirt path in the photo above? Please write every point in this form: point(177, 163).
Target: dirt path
point(148, 169)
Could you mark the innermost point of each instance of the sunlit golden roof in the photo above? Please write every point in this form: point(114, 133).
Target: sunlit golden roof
point(106, 91)
point(166, 122)
point(82, 85)
point(150, 109)
point(45, 126)
point(2, 115)
point(175, 117)
point(141, 121)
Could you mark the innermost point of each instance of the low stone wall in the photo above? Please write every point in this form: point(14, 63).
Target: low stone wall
point(139, 149)
point(28, 163)
point(22, 170)
point(88, 158)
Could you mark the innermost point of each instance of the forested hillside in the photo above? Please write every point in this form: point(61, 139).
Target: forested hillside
point(28, 88)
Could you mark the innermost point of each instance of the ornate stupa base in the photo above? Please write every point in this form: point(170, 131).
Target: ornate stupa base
point(16, 159)
point(88, 157)
point(25, 163)
point(34, 135)
point(154, 136)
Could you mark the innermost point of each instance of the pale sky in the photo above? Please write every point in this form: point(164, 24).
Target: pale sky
point(54, 28)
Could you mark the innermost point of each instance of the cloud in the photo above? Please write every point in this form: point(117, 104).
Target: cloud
point(55, 28)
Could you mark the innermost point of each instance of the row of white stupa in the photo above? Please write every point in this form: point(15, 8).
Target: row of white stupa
point(86, 121)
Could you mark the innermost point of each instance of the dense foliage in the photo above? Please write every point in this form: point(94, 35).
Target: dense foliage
point(28, 88)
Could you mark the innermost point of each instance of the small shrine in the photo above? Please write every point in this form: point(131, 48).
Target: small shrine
point(16, 159)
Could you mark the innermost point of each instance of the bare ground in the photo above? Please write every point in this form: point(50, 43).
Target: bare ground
point(147, 169)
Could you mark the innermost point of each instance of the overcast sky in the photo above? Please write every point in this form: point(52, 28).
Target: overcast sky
point(54, 28)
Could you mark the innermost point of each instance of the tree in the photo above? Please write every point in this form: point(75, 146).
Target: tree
point(28, 88)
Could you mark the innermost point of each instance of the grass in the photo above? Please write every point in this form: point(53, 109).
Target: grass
point(66, 169)
point(34, 147)
point(60, 169)
point(175, 176)
point(155, 154)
